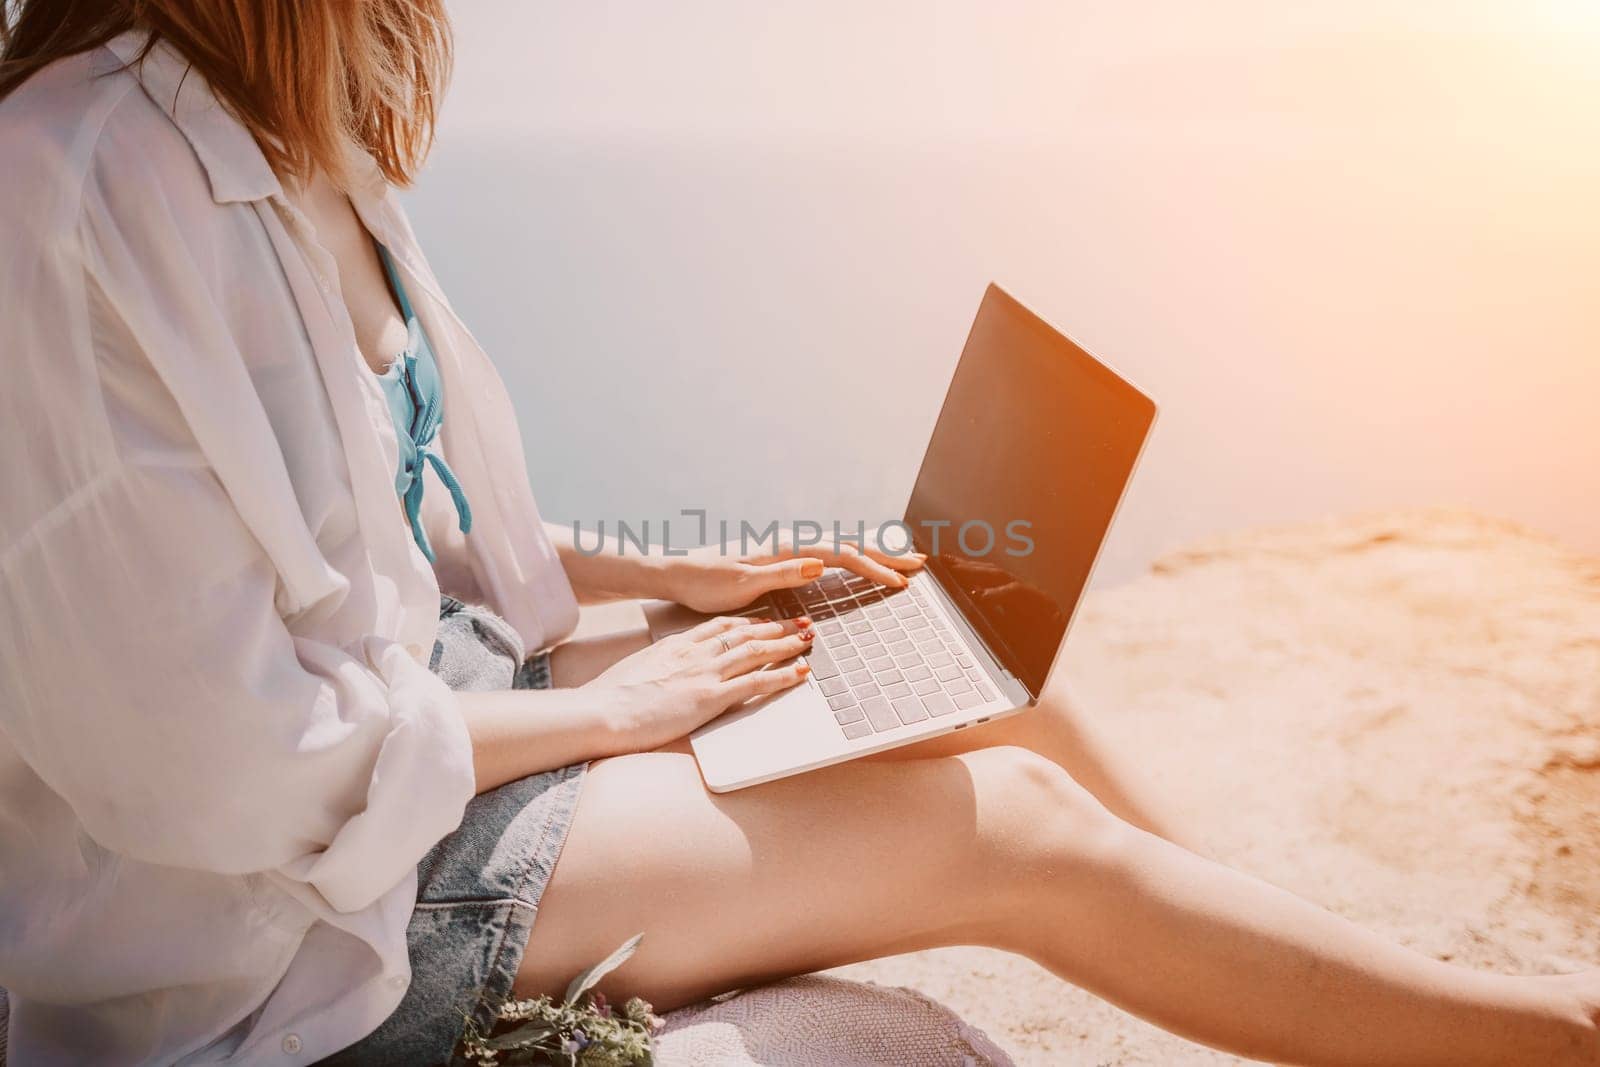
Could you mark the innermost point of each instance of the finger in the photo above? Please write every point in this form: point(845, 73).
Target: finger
point(719, 625)
point(906, 561)
point(763, 683)
point(761, 631)
point(720, 644)
point(784, 574)
point(754, 655)
point(851, 559)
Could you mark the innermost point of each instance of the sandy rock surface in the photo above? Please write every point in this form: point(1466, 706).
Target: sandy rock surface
point(1396, 716)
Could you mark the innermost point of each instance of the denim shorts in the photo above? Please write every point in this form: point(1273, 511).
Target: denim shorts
point(478, 889)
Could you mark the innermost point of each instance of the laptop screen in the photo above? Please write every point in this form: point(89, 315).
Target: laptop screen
point(1034, 445)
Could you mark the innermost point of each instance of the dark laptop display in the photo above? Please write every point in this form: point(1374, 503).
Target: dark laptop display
point(1034, 446)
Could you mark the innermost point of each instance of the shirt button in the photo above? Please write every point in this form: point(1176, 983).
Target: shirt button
point(291, 1043)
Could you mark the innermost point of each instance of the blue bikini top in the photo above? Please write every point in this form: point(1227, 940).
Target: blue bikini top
point(416, 403)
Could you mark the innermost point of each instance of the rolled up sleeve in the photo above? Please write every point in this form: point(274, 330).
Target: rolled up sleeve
point(162, 696)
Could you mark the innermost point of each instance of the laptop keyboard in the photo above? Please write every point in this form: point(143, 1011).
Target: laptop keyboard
point(882, 658)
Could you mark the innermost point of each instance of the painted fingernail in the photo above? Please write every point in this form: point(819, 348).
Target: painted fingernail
point(802, 620)
point(806, 635)
point(811, 568)
point(802, 670)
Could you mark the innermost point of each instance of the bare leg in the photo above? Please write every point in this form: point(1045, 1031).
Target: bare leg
point(1000, 847)
point(1062, 731)
point(1059, 729)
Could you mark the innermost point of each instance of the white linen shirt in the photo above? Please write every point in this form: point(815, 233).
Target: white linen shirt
point(221, 750)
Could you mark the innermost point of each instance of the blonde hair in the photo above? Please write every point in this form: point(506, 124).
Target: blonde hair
point(306, 77)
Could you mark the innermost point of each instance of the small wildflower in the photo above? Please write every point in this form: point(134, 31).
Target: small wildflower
point(639, 1011)
point(582, 1030)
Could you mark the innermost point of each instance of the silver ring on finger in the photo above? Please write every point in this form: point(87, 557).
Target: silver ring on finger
point(723, 641)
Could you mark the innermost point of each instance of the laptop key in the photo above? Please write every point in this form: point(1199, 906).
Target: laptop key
point(880, 714)
point(917, 673)
point(822, 665)
point(940, 659)
point(849, 661)
point(900, 648)
point(948, 674)
point(985, 692)
point(838, 640)
point(910, 659)
point(888, 676)
point(968, 699)
point(841, 700)
point(924, 687)
point(910, 710)
point(939, 704)
point(960, 685)
point(832, 686)
point(898, 689)
point(845, 716)
point(859, 677)
point(857, 730)
point(862, 692)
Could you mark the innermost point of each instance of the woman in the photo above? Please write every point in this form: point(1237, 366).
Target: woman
point(223, 752)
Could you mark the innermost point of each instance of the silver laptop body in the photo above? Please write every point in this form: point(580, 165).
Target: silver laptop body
point(1035, 445)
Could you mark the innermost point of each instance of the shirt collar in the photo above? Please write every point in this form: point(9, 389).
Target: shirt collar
point(234, 164)
point(232, 160)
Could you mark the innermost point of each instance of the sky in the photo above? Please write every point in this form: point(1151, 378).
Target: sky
point(725, 253)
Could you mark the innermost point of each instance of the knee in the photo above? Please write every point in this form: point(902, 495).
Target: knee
point(1040, 823)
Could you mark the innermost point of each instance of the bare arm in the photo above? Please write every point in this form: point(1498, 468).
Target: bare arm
point(714, 577)
point(610, 574)
point(518, 732)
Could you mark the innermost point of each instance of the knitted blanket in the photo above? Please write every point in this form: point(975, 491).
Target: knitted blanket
point(803, 1022)
point(806, 1021)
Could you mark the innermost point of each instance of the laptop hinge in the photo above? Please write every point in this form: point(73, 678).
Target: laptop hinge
point(1009, 683)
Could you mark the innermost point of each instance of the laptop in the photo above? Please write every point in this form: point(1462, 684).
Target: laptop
point(1033, 450)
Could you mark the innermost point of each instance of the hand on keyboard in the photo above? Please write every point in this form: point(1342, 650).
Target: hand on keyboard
point(673, 687)
point(883, 658)
point(718, 578)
